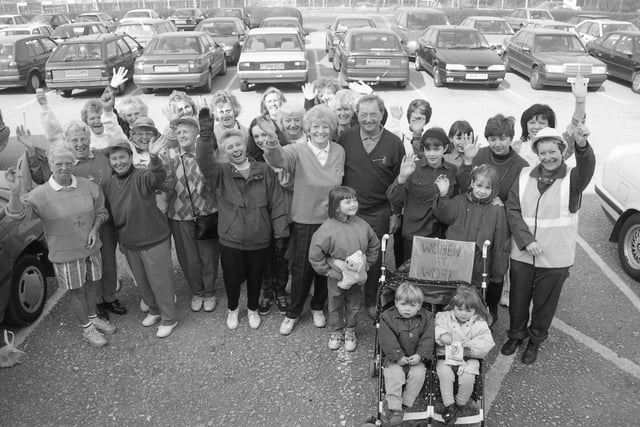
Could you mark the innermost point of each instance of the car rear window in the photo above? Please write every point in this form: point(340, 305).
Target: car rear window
point(346, 24)
point(374, 42)
point(607, 28)
point(220, 28)
point(6, 51)
point(493, 27)
point(184, 12)
point(540, 14)
point(87, 18)
point(77, 52)
point(175, 45)
point(421, 21)
point(67, 32)
point(262, 42)
point(136, 30)
point(229, 12)
point(137, 15)
point(279, 23)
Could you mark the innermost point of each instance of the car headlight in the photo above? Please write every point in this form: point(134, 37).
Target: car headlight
point(599, 69)
point(412, 44)
point(554, 68)
point(456, 67)
point(497, 67)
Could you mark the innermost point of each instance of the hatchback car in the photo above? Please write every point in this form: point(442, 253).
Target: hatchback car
point(186, 59)
point(23, 60)
point(140, 13)
point(410, 23)
point(69, 31)
point(187, 18)
point(228, 33)
point(106, 20)
point(272, 55)
point(619, 191)
point(576, 19)
point(620, 50)
point(593, 29)
point(552, 57)
point(493, 28)
point(458, 55)
point(341, 25)
point(143, 30)
point(519, 17)
point(255, 15)
point(557, 5)
point(373, 55)
point(7, 20)
point(552, 25)
point(283, 21)
point(88, 62)
point(53, 19)
point(27, 29)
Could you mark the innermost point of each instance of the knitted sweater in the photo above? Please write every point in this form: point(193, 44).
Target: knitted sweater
point(311, 181)
point(67, 216)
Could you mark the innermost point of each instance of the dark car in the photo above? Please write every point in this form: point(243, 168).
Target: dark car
point(187, 59)
point(23, 59)
point(519, 17)
point(454, 54)
point(552, 57)
point(53, 19)
point(101, 17)
point(228, 33)
point(620, 50)
point(232, 12)
point(88, 62)
point(373, 55)
point(187, 18)
point(69, 31)
point(493, 28)
point(341, 25)
point(410, 23)
point(255, 15)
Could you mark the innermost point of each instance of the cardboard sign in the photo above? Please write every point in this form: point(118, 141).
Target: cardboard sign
point(441, 260)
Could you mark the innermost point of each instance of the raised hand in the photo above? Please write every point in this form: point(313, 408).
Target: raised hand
point(119, 77)
point(579, 88)
point(14, 179)
point(361, 87)
point(157, 145)
point(200, 102)
point(581, 134)
point(309, 91)
point(470, 147)
point(396, 111)
point(41, 98)
point(442, 182)
point(108, 99)
point(407, 167)
point(169, 113)
point(25, 138)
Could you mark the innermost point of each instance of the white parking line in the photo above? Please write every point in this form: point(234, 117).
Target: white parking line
point(515, 94)
point(613, 98)
point(227, 88)
point(315, 61)
point(493, 380)
point(25, 104)
point(23, 333)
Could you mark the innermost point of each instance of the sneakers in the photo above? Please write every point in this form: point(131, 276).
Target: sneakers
point(334, 340)
point(196, 303)
point(232, 318)
point(254, 319)
point(115, 307)
point(166, 330)
point(287, 325)
point(530, 354)
point(510, 346)
point(283, 304)
point(143, 306)
point(103, 326)
point(319, 321)
point(264, 307)
point(93, 337)
point(449, 414)
point(151, 320)
point(210, 304)
point(350, 342)
point(394, 417)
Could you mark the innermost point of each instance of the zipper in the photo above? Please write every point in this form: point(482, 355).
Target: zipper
point(535, 223)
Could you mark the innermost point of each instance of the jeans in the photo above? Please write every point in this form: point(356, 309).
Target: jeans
point(394, 380)
point(344, 305)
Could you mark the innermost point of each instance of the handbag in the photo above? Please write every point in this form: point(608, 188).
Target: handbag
point(206, 225)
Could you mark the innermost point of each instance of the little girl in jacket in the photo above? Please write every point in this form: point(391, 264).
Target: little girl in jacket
point(462, 337)
point(343, 249)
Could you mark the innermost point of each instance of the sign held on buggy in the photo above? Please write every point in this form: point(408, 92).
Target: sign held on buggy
point(441, 260)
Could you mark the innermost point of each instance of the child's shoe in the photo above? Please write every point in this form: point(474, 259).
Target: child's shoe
point(395, 417)
point(334, 340)
point(449, 414)
point(350, 342)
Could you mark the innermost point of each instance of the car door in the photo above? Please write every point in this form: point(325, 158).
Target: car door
point(126, 57)
point(209, 51)
point(49, 46)
point(136, 48)
point(623, 57)
point(430, 43)
point(603, 50)
point(527, 49)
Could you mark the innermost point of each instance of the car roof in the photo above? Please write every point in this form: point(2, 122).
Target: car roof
point(532, 8)
point(627, 32)
point(281, 18)
point(272, 30)
point(551, 22)
point(9, 16)
point(426, 10)
point(486, 18)
point(180, 34)
point(92, 38)
point(141, 10)
point(547, 31)
point(29, 25)
point(78, 24)
point(133, 21)
point(452, 27)
point(222, 19)
point(371, 30)
point(14, 38)
point(606, 21)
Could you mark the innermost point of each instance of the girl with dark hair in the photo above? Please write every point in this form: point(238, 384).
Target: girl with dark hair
point(460, 135)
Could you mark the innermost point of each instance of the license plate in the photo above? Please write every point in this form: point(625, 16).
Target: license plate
point(474, 76)
point(573, 79)
point(76, 73)
point(272, 66)
point(166, 68)
point(378, 62)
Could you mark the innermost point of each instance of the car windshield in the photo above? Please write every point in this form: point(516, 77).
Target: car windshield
point(374, 42)
point(557, 43)
point(262, 42)
point(422, 21)
point(563, 27)
point(6, 51)
point(493, 27)
point(220, 28)
point(607, 28)
point(540, 14)
point(77, 52)
point(87, 18)
point(279, 23)
point(461, 40)
point(136, 30)
point(345, 24)
point(137, 14)
point(174, 45)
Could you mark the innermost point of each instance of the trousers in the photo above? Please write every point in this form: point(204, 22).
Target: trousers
point(344, 305)
point(239, 265)
point(394, 381)
point(109, 280)
point(447, 377)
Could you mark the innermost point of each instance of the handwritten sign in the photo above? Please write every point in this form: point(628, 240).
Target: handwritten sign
point(441, 260)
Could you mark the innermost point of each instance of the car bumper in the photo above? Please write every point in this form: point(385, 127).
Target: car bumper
point(280, 76)
point(472, 77)
point(170, 80)
point(78, 84)
point(12, 81)
point(374, 76)
point(609, 205)
point(552, 79)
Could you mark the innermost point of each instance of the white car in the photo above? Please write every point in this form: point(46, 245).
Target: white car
point(136, 14)
point(272, 55)
point(592, 29)
point(619, 192)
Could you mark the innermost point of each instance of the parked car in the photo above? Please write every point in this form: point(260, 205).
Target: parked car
point(620, 50)
point(272, 55)
point(493, 28)
point(228, 33)
point(143, 30)
point(409, 23)
point(232, 12)
point(284, 21)
point(136, 14)
point(557, 5)
point(552, 57)
point(88, 62)
point(69, 31)
point(24, 268)
point(255, 15)
point(7, 20)
point(373, 55)
point(576, 19)
point(519, 17)
point(458, 55)
point(23, 59)
point(186, 59)
point(340, 25)
point(619, 191)
point(551, 25)
point(592, 29)
point(187, 18)
point(53, 19)
point(27, 29)
point(101, 17)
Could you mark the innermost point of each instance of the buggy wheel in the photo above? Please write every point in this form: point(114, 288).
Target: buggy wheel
point(373, 368)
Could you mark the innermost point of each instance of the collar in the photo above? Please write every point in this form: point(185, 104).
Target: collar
point(90, 156)
point(559, 173)
point(57, 187)
point(374, 138)
point(316, 151)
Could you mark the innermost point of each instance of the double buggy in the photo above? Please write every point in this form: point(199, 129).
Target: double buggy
point(437, 294)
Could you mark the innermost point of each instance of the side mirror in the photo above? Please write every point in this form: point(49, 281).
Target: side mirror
point(526, 49)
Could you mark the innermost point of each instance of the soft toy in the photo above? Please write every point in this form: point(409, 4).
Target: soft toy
point(353, 269)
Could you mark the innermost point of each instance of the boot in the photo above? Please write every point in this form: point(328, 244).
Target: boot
point(531, 353)
point(510, 346)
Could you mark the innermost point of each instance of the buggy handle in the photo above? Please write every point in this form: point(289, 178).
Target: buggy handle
point(383, 242)
point(485, 245)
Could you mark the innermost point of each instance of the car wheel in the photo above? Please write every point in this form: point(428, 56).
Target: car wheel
point(635, 82)
point(244, 86)
point(147, 90)
point(437, 80)
point(223, 70)
point(402, 84)
point(629, 246)
point(209, 84)
point(418, 65)
point(66, 93)
point(494, 85)
point(28, 291)
point(594, 88)
point(33, 82)
point(535, 80)
point(336, 65)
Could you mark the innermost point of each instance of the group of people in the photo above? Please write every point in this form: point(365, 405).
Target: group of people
point(301, 198)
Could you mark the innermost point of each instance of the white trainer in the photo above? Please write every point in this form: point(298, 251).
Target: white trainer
point(232, 318)
point(103, 326)
point(196, 303)
point(151, 320)
point(166, 330)
point(254, 319)
point(319, 320)
point(143, 306)
point(287, 326)
point(210, 304)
